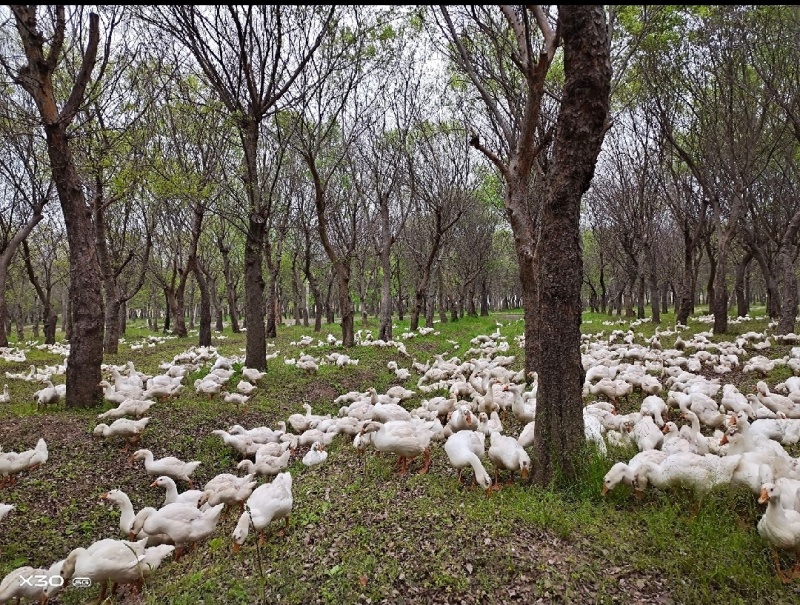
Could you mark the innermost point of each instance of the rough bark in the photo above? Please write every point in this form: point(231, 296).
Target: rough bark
point(230, 285)
point(786, 267)
point(36, 77)
point(742, 304)
point(582, 121)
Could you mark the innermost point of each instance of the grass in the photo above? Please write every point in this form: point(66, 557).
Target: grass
point(360, 533)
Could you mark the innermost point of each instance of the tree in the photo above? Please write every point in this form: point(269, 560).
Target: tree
point(44, 54)
point(510, 78)
point(442, 183)
point(251, 56)
point(27, 191)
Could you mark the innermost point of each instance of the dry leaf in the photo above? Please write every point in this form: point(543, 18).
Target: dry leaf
point(362, 580)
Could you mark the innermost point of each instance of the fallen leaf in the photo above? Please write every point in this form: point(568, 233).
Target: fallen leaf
point(362, 580)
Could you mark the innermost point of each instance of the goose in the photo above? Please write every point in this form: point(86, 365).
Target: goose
point(269, 502)
point(5, 509)
point(693, 433)
point(704, 407)
point(246, 388)
point(244, 444)
point(190, 496)
point(613, 389)
point(311, 435)
point(267, 466)
point(208, 387)
point(162, 392)
point(231, 494)
point(489, 424)
point(647, 435)
point(441, 406)
point(110, 393)
point(5, 397)
point(252, 374)
point(348, 426)
point(400, 393)
point(486, 402)
point(734, 401)
point(130, 430)
point(384, 412)
point(129, 407)
point(674, 442)
point(238, 399)
point(47, 396)
point(151, 560)
point(13, 587)
point(506, 453)
point(466, 448)
point(462, 419)
point(655, 406)
point(127, 514)
point(183, 523)
point(776, 402)
point(303, 422)
point(698, 473)
point(402, 438)
point(12, 463)
point(524, 411)
point(315, 455)
point(623, 472)
point(104, 560)
point(225, 479)
point(526, 437)
point(169, 465)
point(261, 434)
point(593, 432)
point(271, 449)
point(781, 528)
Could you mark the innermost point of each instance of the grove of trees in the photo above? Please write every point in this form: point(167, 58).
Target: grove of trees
point(243, 166)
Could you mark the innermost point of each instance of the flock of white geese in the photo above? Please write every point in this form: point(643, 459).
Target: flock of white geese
point(726, 437)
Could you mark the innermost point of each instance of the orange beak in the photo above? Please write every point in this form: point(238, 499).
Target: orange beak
point(665, 429)
point(764, 497)
point(524, 473)
point(604, 491)
point(153, 484)
point(104, 496)
point(639, 494)
point(131, 536)
point(236, 547)
point(724, 439)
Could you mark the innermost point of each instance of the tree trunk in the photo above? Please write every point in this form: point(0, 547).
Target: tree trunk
point(5, 261)
point(786, 267)
point(204, 334)
point(219, 315)
point(640, 312)
point(718, 288)
point(254, 310)
point(230, 286)
point(742, 304)
point(385, 260)
point(559, 440)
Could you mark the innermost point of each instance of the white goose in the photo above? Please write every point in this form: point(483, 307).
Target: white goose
point(190, 496)
point(466, 448)
point(506, 453)
point(169, 466)
point(781, 528)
